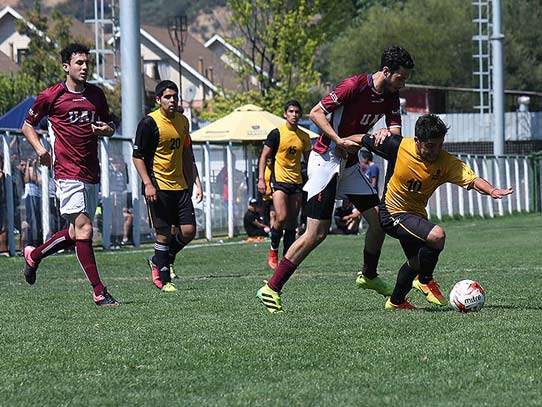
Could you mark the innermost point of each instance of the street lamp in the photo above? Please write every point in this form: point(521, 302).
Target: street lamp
point(178, 31)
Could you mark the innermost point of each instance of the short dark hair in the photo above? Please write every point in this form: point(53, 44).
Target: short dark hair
point(162, 86)
point(367, 155)
point(430, 126)
point(292, 103)
point(72, 49)
point(395, 57)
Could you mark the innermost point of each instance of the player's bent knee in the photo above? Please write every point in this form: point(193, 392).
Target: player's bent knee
point(436, 238)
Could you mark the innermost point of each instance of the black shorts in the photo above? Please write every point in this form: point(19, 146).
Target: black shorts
point(288, 189)
point(322, 204)
point(411, 230)
point(172, 208)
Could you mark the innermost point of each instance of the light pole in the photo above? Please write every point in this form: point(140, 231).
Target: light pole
point(178, 31)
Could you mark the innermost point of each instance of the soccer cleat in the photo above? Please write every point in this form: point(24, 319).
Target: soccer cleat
point(270, 299)
point(169, 288)
point(155, 274)
point(172, 273)
point(405, 305)
point(377, 284)
point(104, 299)
point(30, 266)
point(431, 291)
point(273, 259)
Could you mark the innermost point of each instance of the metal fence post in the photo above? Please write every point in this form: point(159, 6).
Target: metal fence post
point(8, 182)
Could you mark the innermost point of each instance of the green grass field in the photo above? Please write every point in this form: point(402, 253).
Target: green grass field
point(213, 344)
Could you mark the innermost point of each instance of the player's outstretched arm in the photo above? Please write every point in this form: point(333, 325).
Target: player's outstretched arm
point(485, 188)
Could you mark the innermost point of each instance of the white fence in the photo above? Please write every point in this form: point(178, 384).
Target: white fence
point(474, 127)
point(226, 170)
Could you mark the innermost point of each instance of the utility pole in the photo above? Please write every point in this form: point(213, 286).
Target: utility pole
point(178, 31)
point(497, 40)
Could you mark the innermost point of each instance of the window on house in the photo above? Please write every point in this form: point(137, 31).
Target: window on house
point(22, 53)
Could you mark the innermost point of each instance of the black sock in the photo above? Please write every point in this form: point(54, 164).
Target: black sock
point(175, 246)
point(275, 239)
point(427, 259)
point(289, 239)
point(370, 263)
point(161, 260)
point(403, 285)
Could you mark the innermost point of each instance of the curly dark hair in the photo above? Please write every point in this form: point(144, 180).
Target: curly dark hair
point(430, 126)
point(69, 50)
point(395, 57)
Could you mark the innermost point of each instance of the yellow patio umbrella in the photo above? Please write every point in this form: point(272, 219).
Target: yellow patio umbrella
point(246, 123)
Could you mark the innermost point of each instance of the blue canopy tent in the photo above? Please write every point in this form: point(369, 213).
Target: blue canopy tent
point(14, 118)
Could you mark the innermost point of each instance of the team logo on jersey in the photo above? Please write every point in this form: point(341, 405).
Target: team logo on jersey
point(292, 150)
point(436, 175)
point(334, 97)
point(32, 113)
point(396, 111)
point(380, 100)
point(81, 116)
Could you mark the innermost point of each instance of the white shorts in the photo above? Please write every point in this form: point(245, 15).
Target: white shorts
point(77, 197)
point(322, 167)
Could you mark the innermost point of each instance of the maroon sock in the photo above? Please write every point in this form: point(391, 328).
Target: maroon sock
point(370, 263)
point(85, 255)
point(59, 241)
point(283, 272)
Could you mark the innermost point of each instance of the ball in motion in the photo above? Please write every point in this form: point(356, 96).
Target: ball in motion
point(467, 296)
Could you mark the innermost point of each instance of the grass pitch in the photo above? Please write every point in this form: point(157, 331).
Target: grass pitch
point(213, 344)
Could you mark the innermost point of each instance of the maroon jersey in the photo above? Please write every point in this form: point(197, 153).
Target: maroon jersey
point(71, 115)
point(354, 106)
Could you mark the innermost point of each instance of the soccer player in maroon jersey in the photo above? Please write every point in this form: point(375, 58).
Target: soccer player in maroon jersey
point(353, 107)
point(78, 115)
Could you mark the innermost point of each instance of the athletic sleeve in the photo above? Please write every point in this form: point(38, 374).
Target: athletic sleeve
point(387, 150)
point(273, 140)
point(458, 172)
point(39, 109)
point(393, 114)
point(341, 94)
point(146, 138)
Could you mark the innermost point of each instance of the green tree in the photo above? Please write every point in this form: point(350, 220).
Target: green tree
point(279, 40)
point(438, 35)
point(43, 62)
point(522, 55)
point(41, 67)
point(16, 88)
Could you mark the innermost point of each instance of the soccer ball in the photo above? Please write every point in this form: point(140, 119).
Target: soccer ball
point(467, 296)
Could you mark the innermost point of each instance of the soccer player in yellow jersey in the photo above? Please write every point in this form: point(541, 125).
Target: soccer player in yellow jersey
point(285, 144)
point(417, 167)
point(163, 158)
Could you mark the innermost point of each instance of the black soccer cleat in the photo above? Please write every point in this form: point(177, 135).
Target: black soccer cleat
point(104, 299)
point(30, 266)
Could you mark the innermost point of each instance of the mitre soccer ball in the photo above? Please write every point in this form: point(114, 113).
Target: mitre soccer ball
point(467, 296)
